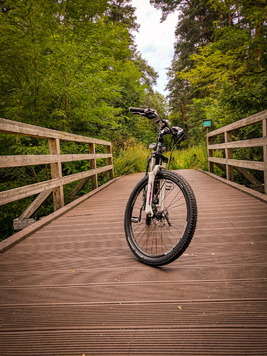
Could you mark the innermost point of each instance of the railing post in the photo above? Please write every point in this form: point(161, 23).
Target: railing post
point(210, 154)
point(229, 155)
point(56, 172)
point(93, 166)
point(110, 162)
point(264, 134)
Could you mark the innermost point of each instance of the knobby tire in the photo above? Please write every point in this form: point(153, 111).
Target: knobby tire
point(161, 239)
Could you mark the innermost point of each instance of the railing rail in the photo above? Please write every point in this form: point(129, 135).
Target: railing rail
point(55, 159)
point(229, 163)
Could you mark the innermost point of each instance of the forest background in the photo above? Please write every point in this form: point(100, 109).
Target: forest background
point(72, 65)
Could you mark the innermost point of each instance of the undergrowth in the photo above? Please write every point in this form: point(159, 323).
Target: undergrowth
point(133, 159)
point(194, 157)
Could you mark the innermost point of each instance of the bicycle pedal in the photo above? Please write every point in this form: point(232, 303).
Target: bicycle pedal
point(134, 220)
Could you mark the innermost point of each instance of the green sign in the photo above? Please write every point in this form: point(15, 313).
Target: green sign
point(206, 123)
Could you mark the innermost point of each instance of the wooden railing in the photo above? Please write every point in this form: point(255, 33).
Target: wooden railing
point(228, 163)
point(55, 159)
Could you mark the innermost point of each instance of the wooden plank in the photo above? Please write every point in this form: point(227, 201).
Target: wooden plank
point(110, 162)
point(56, 173)
point(93, 165)
point(255, 142)
point(13, 240)
point(83, 181)
point(210, 154)
point(28, 160)
point(240, 163)
point(247, 164)
point(24, 220)
point(229, 156)
point(145, 340)
point(228, 146)
point(60, 314)
point(255, 194)
point(20, 224)
point(74, 287)
point(253, 119)
point(42, 197)
point(19, 128)
point(248, 176)
point(23, 192)
point(264, 134)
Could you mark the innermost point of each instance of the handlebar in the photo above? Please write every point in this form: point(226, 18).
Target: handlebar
point(137, 110)
point(165, 128)
point(149, 113)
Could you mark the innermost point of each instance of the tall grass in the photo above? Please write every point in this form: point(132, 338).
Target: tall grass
point(194, 157)
point(133, 159)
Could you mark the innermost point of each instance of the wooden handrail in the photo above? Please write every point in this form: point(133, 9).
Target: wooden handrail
point(228, 162)
point(19, 128)
point(54, 185)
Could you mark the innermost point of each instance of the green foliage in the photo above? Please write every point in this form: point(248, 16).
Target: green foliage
point(149, 76)
point(194, 157)
point(73, 66)
point(228, 71)
point(70, 66)
point(132, 159)
point(220, 64)
point(122, 11)
point(64, 66)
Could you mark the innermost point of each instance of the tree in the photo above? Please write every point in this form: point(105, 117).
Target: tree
point(71, 66)
point(63, 65)
point(232, 70)
point(194, 30)
point(123, 12)
point(219, 66)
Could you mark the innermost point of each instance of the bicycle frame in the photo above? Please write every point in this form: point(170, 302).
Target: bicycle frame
point(157, 161)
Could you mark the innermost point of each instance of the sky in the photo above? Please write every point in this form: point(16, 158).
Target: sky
point(155, 40)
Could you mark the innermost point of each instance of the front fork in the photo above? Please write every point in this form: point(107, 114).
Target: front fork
point(150, 188)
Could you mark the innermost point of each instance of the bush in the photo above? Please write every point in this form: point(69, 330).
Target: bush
point(194, 157)
point(131, 160)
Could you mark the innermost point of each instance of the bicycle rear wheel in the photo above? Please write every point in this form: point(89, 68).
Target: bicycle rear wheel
point(161, 239)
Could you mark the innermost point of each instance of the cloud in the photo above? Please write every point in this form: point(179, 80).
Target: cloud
point(155, 40)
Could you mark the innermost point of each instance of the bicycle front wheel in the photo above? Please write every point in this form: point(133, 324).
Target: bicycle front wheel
point(162, 238)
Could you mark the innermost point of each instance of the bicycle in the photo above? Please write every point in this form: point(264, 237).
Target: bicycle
point(161, 213)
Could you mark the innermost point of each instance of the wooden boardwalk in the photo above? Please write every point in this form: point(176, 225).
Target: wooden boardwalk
point(74, 287)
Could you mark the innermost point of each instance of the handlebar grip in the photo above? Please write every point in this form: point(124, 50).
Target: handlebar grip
point(137, 110)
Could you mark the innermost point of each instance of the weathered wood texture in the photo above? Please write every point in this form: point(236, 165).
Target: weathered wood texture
point(23, 192)
point(55, 159)
point(74, 287)
point(19, 128)
point(29, 160)
point(229, 145)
